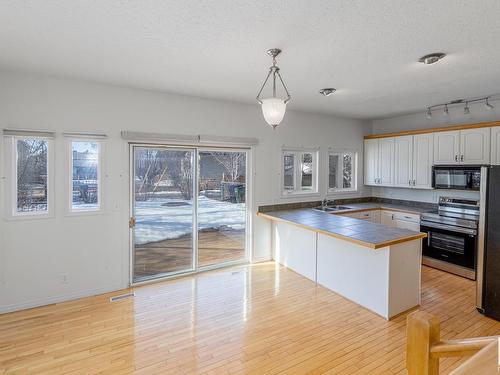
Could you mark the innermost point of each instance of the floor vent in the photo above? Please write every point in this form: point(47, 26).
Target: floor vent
point(121, 296)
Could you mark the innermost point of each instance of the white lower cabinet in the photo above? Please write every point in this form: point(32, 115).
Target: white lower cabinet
point(402, 220)
point(372, 215)
point(387, 218)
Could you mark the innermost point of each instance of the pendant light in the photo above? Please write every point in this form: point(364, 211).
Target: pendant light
point(273, 108)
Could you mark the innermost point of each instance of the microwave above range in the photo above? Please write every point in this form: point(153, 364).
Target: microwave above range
point(455, 177)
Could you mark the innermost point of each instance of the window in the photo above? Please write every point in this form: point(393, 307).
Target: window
point(299, 171)
point(85, 194)
point(31, 176)
point(342, 171)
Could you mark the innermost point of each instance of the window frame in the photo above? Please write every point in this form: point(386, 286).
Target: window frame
point(13, 212)
point(355, 158)
point(297, 175)
point(70, 211)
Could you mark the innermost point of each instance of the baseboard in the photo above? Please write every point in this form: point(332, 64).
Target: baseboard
point(260, 260)
point(58, 299)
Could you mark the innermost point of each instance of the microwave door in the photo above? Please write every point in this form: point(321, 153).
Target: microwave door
point(443, 179)
point(459, 180)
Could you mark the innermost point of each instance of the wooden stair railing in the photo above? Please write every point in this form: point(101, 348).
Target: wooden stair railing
point(424, 347)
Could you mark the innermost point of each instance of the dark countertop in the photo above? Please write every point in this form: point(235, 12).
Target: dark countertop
point(359, 231)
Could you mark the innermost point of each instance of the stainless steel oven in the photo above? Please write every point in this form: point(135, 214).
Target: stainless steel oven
point(452, 232)
point(456, 177)
point(450, 244)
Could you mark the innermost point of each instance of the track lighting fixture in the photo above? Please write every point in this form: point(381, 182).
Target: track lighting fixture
point(467, 102)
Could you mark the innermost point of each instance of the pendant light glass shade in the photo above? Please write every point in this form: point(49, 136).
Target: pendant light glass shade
point(273, 110)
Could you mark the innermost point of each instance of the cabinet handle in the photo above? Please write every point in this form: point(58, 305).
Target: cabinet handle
point(462, 158)
point(456, 157)
point(414, 182)
point(392, 217)
point(409, 182)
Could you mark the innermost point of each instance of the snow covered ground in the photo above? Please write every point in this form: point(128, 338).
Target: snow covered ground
point(155, 222)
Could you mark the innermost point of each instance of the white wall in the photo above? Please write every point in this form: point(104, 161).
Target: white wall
point(34, 253)
point(419, 121)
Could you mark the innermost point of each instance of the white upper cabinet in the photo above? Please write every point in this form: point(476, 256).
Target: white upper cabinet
point(386, 162)
point(475, 146)
point(469, 146)
point(379, 162)
point(495, 145)
point(423, 157)
point(403, 161)
point(447, 147)
point(371, 162)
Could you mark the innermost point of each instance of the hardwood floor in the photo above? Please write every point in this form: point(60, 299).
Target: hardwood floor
point(258, 319)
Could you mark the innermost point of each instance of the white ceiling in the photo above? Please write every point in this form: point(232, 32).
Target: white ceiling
point(366, 49)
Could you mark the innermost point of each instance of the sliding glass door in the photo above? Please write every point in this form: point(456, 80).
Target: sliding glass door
point(221, 206)
point(188, 209)
point(163, 211)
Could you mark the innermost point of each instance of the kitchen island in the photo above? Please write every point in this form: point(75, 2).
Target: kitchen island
point(374, 265)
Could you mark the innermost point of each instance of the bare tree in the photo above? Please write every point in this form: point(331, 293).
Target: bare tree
point(231, 161)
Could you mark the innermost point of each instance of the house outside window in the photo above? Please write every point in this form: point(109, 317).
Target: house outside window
point(299, 171)
point(342, 171)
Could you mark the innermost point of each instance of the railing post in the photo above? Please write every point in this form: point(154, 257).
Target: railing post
point(423, 331)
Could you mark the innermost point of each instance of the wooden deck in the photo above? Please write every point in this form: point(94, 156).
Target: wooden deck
point(214, 246)
point(258, 319)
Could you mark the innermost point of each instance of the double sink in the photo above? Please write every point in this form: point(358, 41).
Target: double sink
point(331, 208)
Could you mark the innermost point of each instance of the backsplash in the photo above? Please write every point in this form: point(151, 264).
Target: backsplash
point(402, 202)
point(421, 195)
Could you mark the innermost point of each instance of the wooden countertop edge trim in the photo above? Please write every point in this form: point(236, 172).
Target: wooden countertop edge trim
point(374, 246)
point(435, 130)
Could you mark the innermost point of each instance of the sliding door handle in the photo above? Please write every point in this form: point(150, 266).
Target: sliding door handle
point(131, 222)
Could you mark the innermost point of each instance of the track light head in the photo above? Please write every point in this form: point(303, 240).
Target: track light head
point(488, 105)
point(428, 114)
point(446, 112)
point(466, 108)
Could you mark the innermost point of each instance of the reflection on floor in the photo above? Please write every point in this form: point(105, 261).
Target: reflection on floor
point(258, 319)
point(214, 246)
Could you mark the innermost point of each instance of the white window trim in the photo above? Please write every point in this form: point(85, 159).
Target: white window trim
point(337, 191)
point(11, 209)
point(70, 211)
point(297, 176)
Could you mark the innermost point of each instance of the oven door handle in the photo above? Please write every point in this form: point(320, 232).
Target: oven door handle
point(449, 228)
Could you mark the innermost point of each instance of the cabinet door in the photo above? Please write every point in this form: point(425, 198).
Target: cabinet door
point(446, 147)
point(475, 146)
point(387, 218)
point(403, 159)
point(386, 161)
point(495, 145)
point(371, 162)
point(408, 225)
point(423, 158)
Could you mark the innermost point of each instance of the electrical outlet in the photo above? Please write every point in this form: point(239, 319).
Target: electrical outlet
point(64, 278)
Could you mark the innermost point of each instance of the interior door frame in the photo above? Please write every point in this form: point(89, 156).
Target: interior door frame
point(196, 148)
